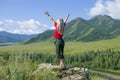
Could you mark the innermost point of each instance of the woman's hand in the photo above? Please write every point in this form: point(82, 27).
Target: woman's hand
point(46, 13)
point(50, 17)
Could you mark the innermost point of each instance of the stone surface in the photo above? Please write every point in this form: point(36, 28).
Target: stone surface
point(74, 73)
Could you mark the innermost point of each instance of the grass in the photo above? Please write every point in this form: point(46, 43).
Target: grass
point(41, 47)
point(107, 74)
point(24, 70)
point(94, 77)
point(114, 70)
point(20, 67)
point(70, 47)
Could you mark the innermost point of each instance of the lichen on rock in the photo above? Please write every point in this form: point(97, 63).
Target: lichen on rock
point(74, 73)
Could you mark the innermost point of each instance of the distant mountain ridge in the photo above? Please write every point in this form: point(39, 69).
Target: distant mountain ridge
point(6, 37)
point(98, 28)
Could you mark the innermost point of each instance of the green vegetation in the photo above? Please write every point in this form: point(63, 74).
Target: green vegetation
point(107, 74)
point(70, 47)
point(17, 62)
point(21, 66)
point(95, 77)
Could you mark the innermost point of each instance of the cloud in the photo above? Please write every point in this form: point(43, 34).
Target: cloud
point(99, 8)
point(1, 29)
point(1, 23)
point(113, 8)
point(23, 27)
point(106, 7)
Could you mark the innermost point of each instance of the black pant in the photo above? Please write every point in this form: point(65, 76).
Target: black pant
point(59, 44)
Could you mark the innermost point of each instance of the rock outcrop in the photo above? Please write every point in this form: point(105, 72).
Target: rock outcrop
point(74, 73)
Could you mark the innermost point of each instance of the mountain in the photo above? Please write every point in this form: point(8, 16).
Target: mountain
point(97, 28)
point(42, 36)
point(107, 24)
point(6, 37)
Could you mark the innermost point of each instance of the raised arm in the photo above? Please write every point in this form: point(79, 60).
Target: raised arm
point(66, 18)
point(49, 16)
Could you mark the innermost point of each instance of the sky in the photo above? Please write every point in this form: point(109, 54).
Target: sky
point(27, 16)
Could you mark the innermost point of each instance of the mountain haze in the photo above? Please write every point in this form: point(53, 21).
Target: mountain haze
point(6, 37)
point(98, 28)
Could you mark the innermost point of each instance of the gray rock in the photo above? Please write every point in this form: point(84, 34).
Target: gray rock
point(74, 73)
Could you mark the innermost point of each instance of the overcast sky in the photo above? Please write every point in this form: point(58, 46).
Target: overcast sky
point(27, 17)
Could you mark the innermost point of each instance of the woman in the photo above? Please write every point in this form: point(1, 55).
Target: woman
point(58, 35)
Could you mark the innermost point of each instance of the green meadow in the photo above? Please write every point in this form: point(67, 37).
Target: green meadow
point(70, 47)
point(17, 62)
